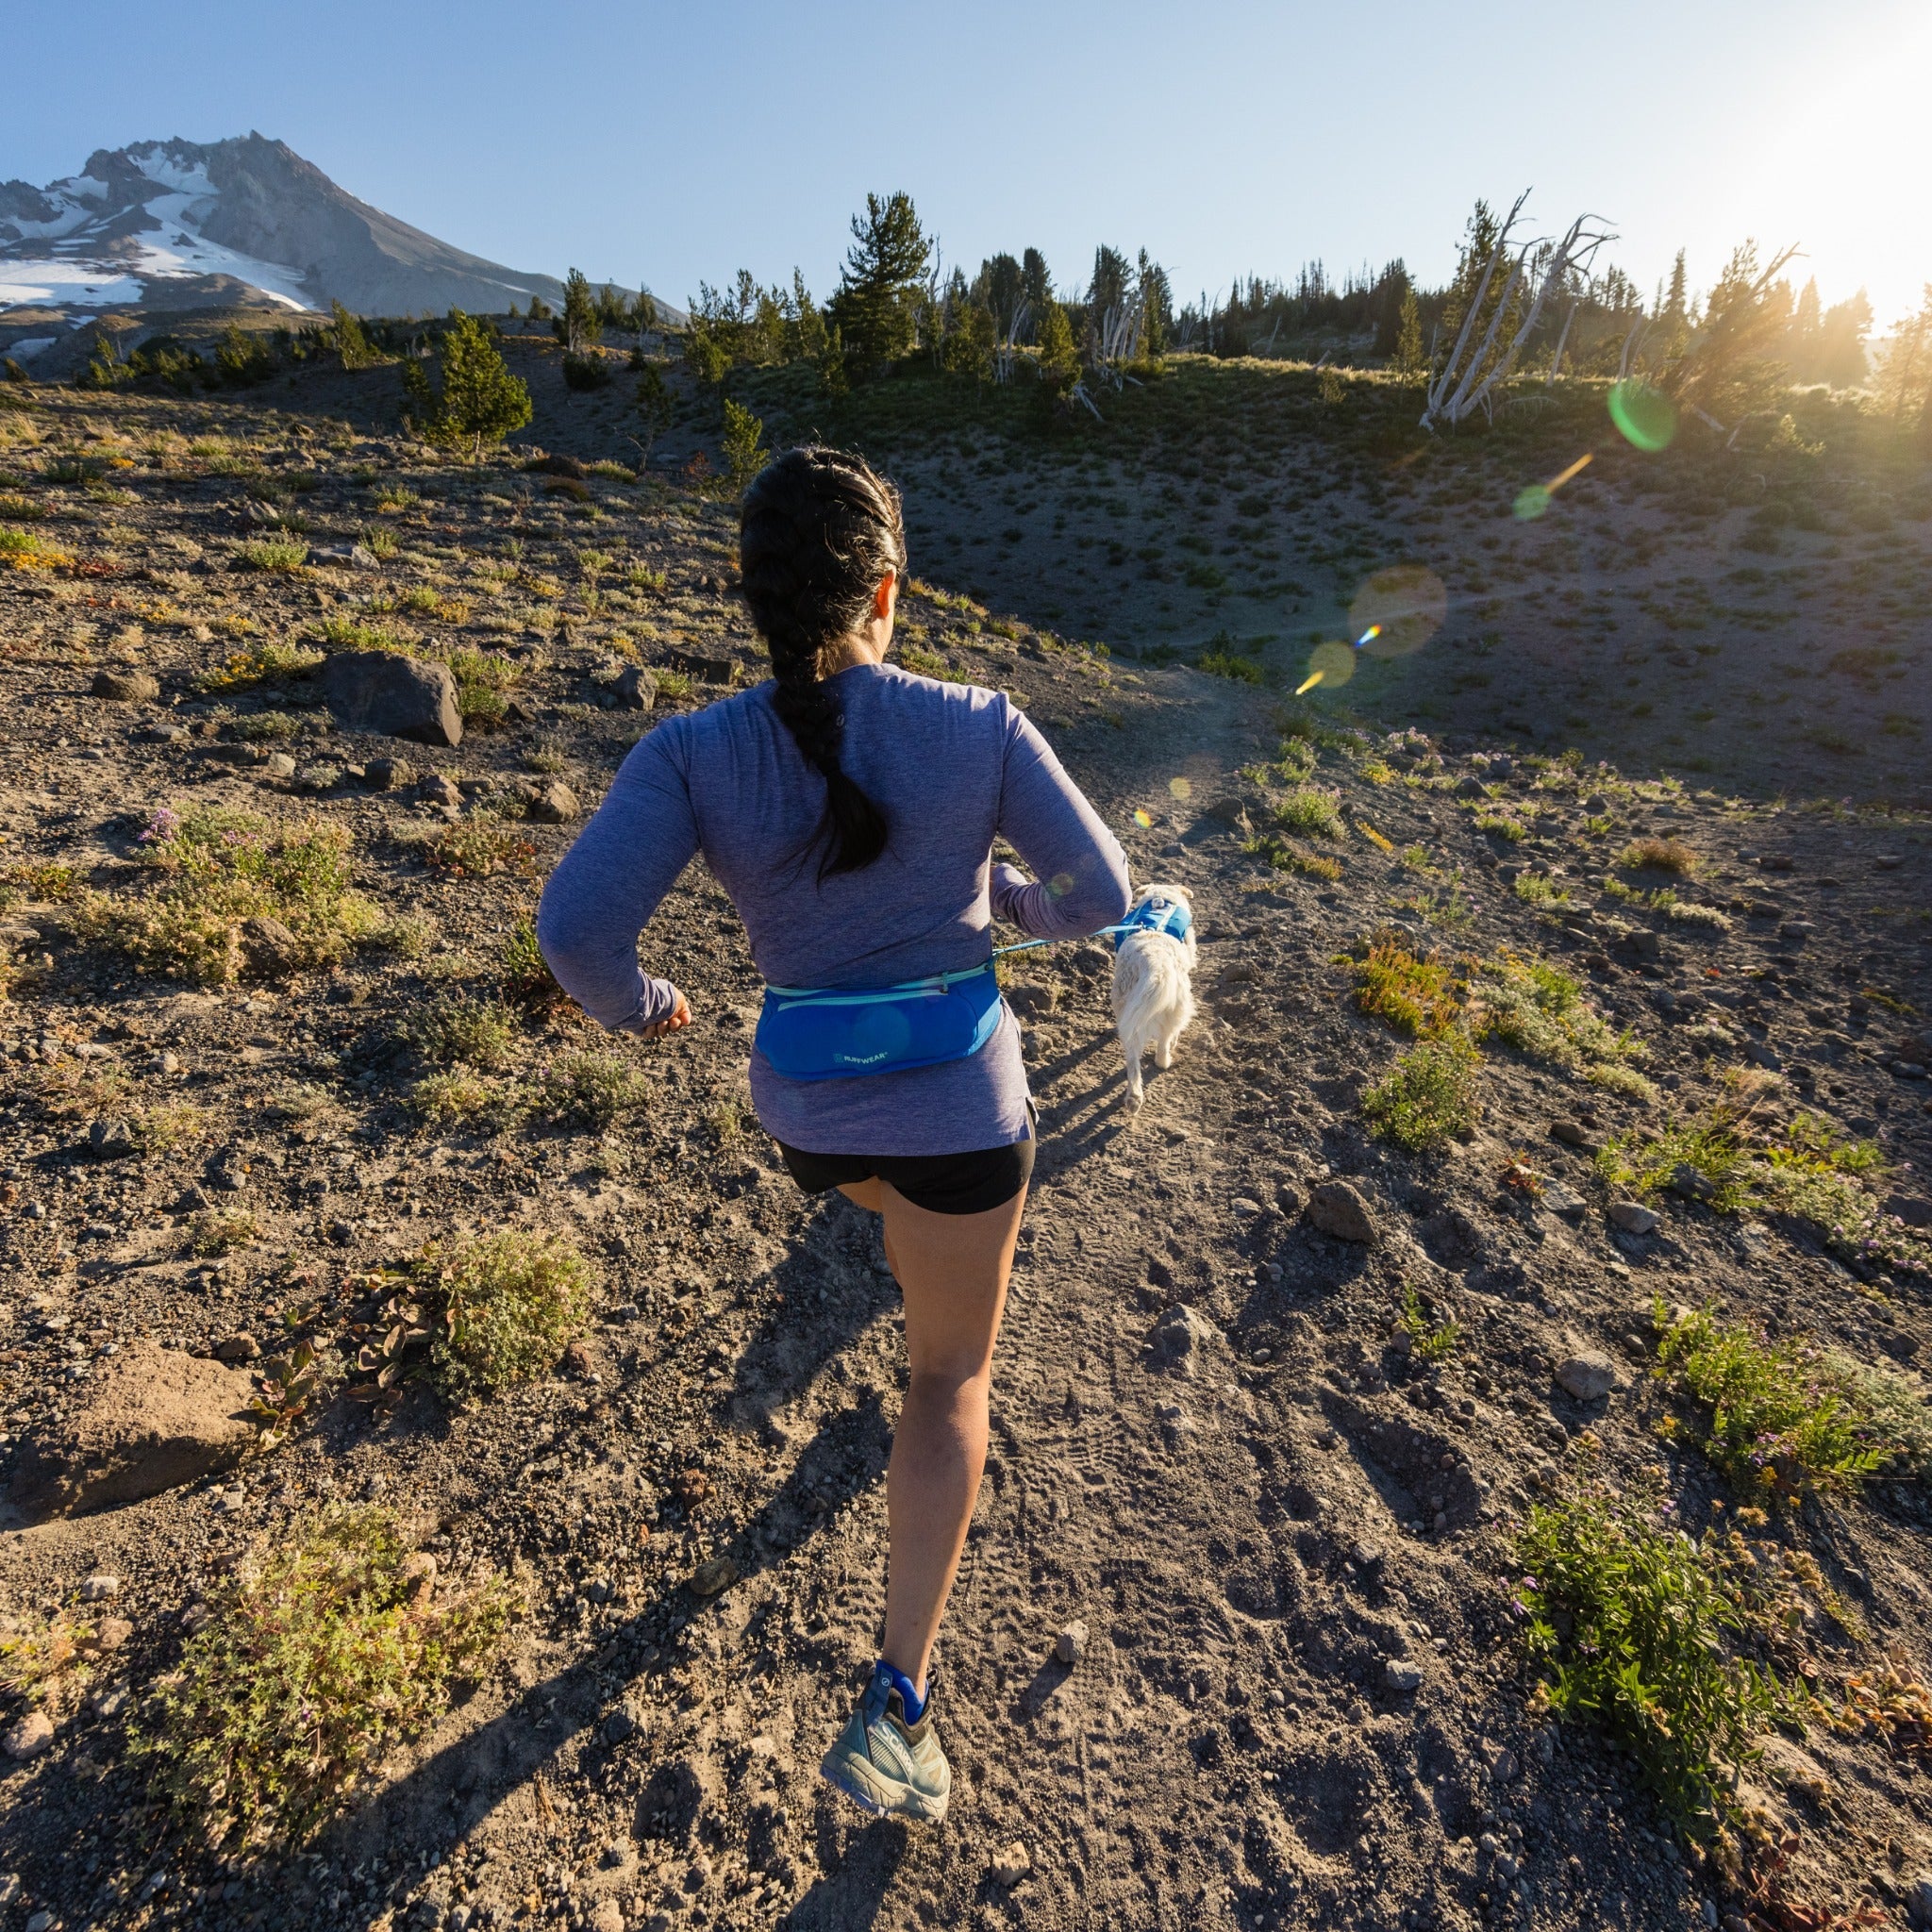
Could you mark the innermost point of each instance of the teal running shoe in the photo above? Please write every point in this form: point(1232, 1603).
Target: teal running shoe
point(895, 1770)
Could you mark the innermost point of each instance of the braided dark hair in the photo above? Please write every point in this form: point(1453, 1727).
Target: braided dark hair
point(817, 533)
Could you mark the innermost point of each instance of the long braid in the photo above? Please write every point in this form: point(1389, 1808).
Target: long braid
point(819, 532)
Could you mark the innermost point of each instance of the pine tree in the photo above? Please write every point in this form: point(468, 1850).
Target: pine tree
point(351, 342)
point(1905, 379)
point(643, 317)
point(1034, 283)
point(1408, 336)
point(884, 268)
point(480, 400)
point(745, 452)
point(1156, 304)
point(654, 407)
point(1060, 359)
point(576, 328)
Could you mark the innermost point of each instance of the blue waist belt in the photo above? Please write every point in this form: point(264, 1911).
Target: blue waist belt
point(810, 1033)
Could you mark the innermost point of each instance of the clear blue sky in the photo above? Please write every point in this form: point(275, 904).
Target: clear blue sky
point(672, 142)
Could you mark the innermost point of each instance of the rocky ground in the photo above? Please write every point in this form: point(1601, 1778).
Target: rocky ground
point(1232, 1643)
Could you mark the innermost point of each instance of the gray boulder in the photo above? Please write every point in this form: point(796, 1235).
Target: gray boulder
point(1337, 1209)
point(150, 1419)
point(395, 696)
point(124, 687)
point(1587, 1376)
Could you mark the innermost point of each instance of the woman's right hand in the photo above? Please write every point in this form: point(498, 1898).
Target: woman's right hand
point(679, 1017)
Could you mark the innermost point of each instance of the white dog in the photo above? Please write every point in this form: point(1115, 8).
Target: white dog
point(1153, 988)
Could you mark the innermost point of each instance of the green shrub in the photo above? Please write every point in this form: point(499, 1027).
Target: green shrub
point(1431, 1341)
point(1633, 1627)
point(510, 1303)
point(1417, 996)
point(271, 555)
point(258, 664)
point(593, 1090)
point(220, 1230)
point(525, 974)
point(218, 870)
point(478, 847)
point(460, 1030)
point(1224, 661)
point(1314, 814)
point(1780, 1415)
point(1538, 1009)
point(458, 1097)
point(320, 1655)
point(1429, 1098)
point(1658, 855)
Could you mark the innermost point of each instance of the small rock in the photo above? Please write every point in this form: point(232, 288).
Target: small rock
point(555, 804)
point(278, 764)
point(1179, 1337)
point(619, 1725)
point(436, 790)
point(29, 1737)
point(238, 1348)
point(42, 1921)
point(1071, 1644)
point(1401, 1676)
point(1633, 1217)
point(98, 1588)
point(1693, 1183)
point(388, 774)
point(1337, 1209)
point(1503, 1767)
point(110, 1633)
point(112, 1139)
point(1587, 1376)
point(1563, 1201)
point(1759, 1054)
point(1572, 1134)
point(271, 950)
point(1365, 1555)
point(712, 1576)
point(125, 686)
point(1011, 1863)
point(635, 688)
point(606, 1916)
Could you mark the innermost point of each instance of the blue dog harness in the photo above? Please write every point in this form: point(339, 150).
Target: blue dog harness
point(824, 1033)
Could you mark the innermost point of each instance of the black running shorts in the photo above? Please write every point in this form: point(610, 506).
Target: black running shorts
point(941, 1183)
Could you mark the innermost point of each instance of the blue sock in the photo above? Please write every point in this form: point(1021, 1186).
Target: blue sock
point(914, 1704)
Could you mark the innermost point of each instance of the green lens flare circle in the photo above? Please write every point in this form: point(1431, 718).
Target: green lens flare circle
point(1644, 417)
point(1531, 503)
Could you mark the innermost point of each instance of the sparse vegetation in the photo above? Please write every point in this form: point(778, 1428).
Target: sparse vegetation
point(478, 847)
point(1312, 813)
point(218, 870)
point(591, 1089)
point(509, 1304)
point(1658, 855)
point(479, 1034)
point(321, 1653)
point(264, 664)
point(1417, 996)
point(1429, 1098)
point(1778, 1415)
point(1634, 1627)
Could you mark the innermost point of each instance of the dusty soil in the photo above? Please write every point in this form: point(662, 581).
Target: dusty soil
point(1256, 1506)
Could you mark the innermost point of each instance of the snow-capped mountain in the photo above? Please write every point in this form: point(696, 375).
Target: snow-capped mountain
point(181, 225)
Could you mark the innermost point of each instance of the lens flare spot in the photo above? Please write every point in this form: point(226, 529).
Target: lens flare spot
point(1309, 682)
point(1181, 788)
point(1644, 417)
point(1143, 818)
point(1059, 885)
point(1403, 606)
point(1330, 664)
point(1531, 503)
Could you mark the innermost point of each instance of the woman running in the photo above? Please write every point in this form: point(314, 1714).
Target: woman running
point(849, 809)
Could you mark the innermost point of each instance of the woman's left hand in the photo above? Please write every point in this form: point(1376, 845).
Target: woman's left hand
point(679, 1017)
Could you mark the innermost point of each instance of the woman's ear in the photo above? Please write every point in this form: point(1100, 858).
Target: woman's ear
point(886, 597)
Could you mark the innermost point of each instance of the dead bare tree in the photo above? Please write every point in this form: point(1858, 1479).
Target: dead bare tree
point(1473, 372)
point(1007, 349)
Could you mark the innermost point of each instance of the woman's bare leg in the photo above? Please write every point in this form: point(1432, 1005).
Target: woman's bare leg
point(952, 1270)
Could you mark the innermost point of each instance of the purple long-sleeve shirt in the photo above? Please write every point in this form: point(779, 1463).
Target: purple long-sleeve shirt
point(951, 766)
